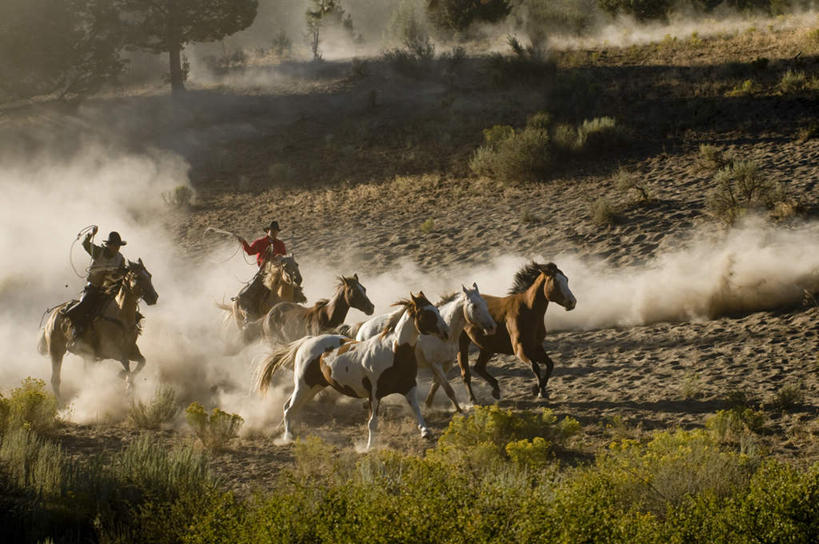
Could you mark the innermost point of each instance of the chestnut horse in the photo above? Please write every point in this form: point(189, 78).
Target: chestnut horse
point(372, 369)
point(288, 321)
point(112, 335)
point(521, 330)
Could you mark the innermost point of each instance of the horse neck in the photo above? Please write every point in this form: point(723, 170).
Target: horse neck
point(126, 302)
point(405, 331)
point(454, 315)
point(535, 297)
point(336, 310)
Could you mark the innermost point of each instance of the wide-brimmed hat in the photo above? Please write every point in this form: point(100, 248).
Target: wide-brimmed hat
point(274, 225)
point(114, 239)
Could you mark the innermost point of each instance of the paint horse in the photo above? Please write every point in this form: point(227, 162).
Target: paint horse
point(112, 335)
point(288, 321)
point(457, 310)
point(371, 369)
point(521, 329)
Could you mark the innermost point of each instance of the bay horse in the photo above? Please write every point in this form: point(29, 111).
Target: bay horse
point(457, 310)
point(522, 330)
point(112, 335)
point(371, 369)
point(288, 321)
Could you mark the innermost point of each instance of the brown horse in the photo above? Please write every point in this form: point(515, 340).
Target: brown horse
point(520, 330)
point(288, 321)
point(282, 280)
point(112, 335)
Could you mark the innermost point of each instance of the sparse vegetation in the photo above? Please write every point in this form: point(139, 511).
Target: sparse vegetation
point(180, 197)
point(741, 188)
point(788, 397)
point(528, 154)
point(160, 410)
point(527, 64)
point(629, 182)
point(214, 430)
point(427, 226)
point(691, 385)
point(747, 87)
point(711, 158)
point(29, 406)
point(603, 213)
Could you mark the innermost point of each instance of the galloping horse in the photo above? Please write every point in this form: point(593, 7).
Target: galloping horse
point(288, 321)
point(522, 330)
point(112, 335)
point(457, 310)
point(371, 369)
point(282, 280)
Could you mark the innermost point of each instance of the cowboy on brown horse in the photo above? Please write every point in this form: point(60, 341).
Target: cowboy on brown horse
point(265, 248)
point(106, 261)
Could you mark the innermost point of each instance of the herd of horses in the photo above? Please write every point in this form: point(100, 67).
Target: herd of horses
point(368, 360)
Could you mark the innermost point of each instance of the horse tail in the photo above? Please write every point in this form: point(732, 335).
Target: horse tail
point(42, 343)
point(225, 307)
point(282, 356)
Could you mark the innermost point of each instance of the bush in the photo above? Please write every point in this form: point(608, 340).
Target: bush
point(711, 157)
point(30, 406)
point(642, 10)
point(180, 197)
point(457, 15)
point(603, 212)
point(529, 154)
point(741, 187)
point(215, 430)
point(161, 409)
point(788, 397)
point(627, 182)
point(526, 64)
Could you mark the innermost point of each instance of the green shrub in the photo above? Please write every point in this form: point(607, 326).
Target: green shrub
point(523, 156)
point(180, 197)
point(603, 212)
point(793, 82)
point(597, 134)
point(161, 409)
point(427, 226)
point(215, 430)
point(788, 397)
point(526, 64)
point(642, 10)
point(627, 182)
point(711, 157)
point(741, 187)
point(458, 15)
point(494, 428)
point(30, 406)
point(30, 462)
point(747, 87)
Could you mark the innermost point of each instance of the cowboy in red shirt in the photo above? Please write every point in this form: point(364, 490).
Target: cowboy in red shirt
point(264, 248)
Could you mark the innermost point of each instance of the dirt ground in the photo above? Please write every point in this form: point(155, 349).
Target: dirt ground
point(354, 163)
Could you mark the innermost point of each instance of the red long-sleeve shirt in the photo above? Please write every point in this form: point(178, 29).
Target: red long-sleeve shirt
point(260, 247)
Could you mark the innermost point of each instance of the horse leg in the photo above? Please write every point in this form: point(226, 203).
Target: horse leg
point(126, 374)
point(463, 362)
point(56, 367)
point(412, 399)
point(137, 357)
point(372, 424)
point(533, 357)
point(480, 370)
point(300, 396)
point(440, 378)
point(431, 394)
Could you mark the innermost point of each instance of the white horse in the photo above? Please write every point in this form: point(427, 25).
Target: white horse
point(457, 310)
point(372, 369)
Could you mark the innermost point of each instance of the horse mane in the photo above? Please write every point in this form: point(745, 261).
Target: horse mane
point(446, 299)
point(526, 276)
point(396, 317)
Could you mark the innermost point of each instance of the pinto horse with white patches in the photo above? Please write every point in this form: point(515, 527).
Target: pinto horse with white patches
point(457, 310)
point(288, 321)
point(372, 369)
point(522, 330)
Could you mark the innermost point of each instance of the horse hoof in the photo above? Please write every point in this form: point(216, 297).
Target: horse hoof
point(543, 395)
point(426, 433)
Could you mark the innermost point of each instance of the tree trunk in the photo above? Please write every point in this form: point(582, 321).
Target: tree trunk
point(177, 76)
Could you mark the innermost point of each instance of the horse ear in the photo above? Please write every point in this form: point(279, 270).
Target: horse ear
point(140, 262)
point(355, 276)
point(464, 289)
point(475, 286)
point(421, 295)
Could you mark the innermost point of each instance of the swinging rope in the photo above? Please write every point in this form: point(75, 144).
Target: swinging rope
point(226, 233)
point(71, 250)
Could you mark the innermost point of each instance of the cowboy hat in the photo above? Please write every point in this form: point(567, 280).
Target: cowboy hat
point(114, 239)
point(274, 225)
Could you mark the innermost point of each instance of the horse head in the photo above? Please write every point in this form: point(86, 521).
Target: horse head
point(556, 286)
point(427, 318)
point(355, 295)
point(139, 282)
point(476, 311)
point(290, 270)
